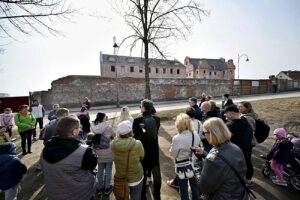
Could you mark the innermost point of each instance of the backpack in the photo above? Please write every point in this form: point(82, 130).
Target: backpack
point(99, 141)
point(149, 128)
point(262, 130)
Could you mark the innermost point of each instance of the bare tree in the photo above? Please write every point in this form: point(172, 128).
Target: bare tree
point(29, 16)
point(155, 21)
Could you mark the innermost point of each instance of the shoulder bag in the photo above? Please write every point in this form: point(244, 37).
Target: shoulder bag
point(121, 188)
point(184, 168)
point(247, 189)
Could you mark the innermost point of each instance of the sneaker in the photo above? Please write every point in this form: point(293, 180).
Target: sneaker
point(248, 183)
point(279, 182)
point(273, 177)
point(172, 184)
point(108, 191)
point(100, 192)
point(29, 151)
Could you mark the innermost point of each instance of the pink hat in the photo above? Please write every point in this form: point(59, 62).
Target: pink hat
point(280, 132)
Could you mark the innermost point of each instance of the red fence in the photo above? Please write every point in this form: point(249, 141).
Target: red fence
point(13, 102)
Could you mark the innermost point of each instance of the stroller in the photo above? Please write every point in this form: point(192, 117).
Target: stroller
point(292, 170)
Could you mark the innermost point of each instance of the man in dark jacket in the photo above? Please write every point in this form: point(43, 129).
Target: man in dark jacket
point(11, 170)
point(68, 164)
point(193, 103)
point(145, 129)
point(242, 134)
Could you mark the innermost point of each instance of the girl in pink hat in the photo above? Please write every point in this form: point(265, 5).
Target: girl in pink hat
point(280, 155)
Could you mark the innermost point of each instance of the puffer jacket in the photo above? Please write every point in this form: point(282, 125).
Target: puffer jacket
point(120, 149)
point(11, 168)
point(218, 181)
point(104, 155)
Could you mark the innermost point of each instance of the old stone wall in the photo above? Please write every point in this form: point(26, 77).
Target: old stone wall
point(69, 91)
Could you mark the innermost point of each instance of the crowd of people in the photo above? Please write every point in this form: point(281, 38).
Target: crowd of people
point(212, 151)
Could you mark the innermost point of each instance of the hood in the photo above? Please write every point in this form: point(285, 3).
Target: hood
point(99, 128)
point(7, 148)
point(123, 144)
point(59, 148)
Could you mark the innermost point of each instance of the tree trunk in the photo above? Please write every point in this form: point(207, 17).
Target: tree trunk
point(147, 79)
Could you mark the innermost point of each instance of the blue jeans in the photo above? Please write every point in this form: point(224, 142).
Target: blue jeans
point(135, 192)
point(108, 169)
point(184, 190)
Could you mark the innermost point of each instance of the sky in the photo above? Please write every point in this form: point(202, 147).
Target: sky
point(268, 31)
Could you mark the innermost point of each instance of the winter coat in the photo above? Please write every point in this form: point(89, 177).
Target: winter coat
point(281, 151)
point(120, 149)
point(25, 123)
point(6, 120)
point(104, 155)
point(181, 145)
point(217, 180)
point(11, 167)
point(151, 149)
point(67, 166)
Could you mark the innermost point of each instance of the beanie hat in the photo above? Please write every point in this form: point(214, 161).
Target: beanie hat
point(124, 127)
point(280, 132)
point(231, 108)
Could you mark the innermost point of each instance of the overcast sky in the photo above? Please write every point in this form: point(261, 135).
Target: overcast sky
point(268, 31)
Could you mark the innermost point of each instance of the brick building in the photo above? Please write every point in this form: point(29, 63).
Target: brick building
point(203, 68)
point(127, 66)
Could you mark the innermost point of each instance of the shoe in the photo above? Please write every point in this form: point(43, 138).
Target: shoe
point(108, 190)
point(279, 182)
point(24, 153)
point(273, 177)
point(248, 183)
point(172, 184)
point(100, 192)
point(29, 151)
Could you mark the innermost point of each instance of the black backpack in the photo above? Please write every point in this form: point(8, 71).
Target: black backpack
point(150, 129)
point(99, 141)
point(262, 130)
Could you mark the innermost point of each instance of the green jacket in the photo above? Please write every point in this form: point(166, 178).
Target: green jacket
point(24, 123)
point(120, 149)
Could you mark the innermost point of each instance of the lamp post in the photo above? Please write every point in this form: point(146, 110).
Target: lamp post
point(115, 46)
point(247, 59)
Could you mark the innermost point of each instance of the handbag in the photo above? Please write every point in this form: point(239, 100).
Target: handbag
point(121, 188)
point(185, 168)
point(238, 175)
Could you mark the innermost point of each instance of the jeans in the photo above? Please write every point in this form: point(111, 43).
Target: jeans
point(184, 189)
point(11, 193)
point(156, 182)
point(107, 167)
point(135, 192)
point(26, 135)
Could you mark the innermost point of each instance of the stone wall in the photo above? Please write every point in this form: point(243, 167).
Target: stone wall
point(69, 91)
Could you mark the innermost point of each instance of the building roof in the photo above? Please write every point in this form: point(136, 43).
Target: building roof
point(216, 64)
point(295, 75)
point(129, 60)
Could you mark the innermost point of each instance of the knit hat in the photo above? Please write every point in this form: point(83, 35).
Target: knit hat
point(280, 132)
point(124, 127)
point(231, 108)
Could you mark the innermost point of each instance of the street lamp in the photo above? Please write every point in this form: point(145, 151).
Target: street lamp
point(115, 46)
point(247, 59)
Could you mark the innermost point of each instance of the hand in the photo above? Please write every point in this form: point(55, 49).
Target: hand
point(198, 151)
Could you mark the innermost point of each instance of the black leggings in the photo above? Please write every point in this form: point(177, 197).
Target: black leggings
point(26, 135)
point(250, 170)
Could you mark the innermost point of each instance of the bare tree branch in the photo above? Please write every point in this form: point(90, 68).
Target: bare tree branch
point(155, 21)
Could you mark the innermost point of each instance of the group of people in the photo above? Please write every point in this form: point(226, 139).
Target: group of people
point(220, 139)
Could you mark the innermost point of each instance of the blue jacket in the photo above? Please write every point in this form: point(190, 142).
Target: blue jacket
point(11, 168)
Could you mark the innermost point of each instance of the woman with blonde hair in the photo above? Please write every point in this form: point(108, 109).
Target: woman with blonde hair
point(218, 179)
point(125, 114)
point(181, 151)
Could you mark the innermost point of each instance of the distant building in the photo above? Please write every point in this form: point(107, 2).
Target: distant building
point(127, 66)
point(202, 68)
point(289, 75)
point(4, 95)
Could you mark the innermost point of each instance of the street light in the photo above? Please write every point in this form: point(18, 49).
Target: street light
point(247, 59)
point(115, 46)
